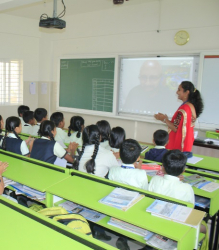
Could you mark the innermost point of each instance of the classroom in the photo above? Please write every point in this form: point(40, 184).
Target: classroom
point(96, 28)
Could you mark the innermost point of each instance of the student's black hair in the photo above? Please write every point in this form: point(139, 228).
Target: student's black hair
point(194, 97)
point(39, 114)
point(57, 117)
point(117, 137)
point(174, 162)
point(90, 136)
point(10, 124)
point(46, 128)
point(76, 124)
point(27, 116)
point(22, 108)
point(0, 124)
point(161, 137)
point(130, 150)
point(105, 129)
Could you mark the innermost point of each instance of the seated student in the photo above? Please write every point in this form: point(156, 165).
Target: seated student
point(21, 109)
point(29, 122)
point(47, 149)
point(105, 130)
point(12, 142)
point(94, 159)
point(130, 151)
point(160, 139)
point(40, 114)
point(59, 121)
point(174, 163)
point(3, 168)
point(76, 125)
point(117, 137)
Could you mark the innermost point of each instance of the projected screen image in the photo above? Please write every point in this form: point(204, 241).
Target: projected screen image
point(149, 85)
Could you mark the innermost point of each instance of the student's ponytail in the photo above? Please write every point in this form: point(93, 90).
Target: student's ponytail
point(14, 132)
point(194, 97)
point(76, 124)
point(4, 140)
point(77, 159)
point(46, 128)
point(90, 165)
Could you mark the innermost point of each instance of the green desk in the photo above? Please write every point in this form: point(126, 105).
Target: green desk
point(26, 229)
point(88, 192)
point(32, 175)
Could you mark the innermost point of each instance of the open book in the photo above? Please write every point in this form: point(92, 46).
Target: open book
point(200, 182)
point(121, 198)
point(177, 213)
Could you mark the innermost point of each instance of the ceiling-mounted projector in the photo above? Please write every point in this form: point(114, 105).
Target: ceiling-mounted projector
point(55, 21)
point(118, 1)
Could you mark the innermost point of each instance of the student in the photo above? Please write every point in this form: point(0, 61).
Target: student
point(174, 163)
point(40, 114)
point(21, 109)
point(28, 122)
point(117, 137)
point(160, 139)
point(46, 149)
point(59, 121)
point(12, 142)
point(105, 130)
point(76, 125)
point(130, 153)
point(93, 158)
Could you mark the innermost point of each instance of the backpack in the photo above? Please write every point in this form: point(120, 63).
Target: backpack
point(74, 221)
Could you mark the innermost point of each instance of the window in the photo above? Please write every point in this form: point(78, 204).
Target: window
point(11, 82)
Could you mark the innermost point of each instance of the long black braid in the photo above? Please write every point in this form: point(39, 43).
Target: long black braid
point(77, 159)
point(90, 165)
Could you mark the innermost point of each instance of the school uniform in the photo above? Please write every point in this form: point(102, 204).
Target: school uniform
point(115, 150)
point(35, 129)
point(105, 144)
point(103, 162)
point(61, 135)
point(172, 186)
point(27, 128)
point(16, 145)
point(156, 153)
point(46, 150)
point(22, 121)
point(128, 174)
point(73, 138)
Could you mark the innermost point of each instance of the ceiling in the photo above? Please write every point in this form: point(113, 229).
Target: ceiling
point(34, 8)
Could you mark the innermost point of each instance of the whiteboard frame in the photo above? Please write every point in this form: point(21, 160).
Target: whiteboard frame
point(86, 111)
point(202, 125)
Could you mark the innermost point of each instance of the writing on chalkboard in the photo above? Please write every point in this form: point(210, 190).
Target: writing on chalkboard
point(87, 84)
point(102, 94)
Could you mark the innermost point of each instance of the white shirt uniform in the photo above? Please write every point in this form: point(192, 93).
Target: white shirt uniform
point(105, 144)
point(103, 161)
point(115, 150)
point(24, 149)
point(22, 121)
point(27, 128)
point(61, 135)
point(130, 176)
point(73, 138)
point(35, 129)
point(172, 186)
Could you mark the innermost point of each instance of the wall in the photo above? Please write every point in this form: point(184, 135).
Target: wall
point(20, 40)
point(126, 30)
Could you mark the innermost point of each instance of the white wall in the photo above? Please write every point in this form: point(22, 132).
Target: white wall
point(19, 39)
point(121, 30)
point(133, 29)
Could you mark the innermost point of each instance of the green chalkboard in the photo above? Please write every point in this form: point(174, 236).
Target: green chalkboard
point(87, 83)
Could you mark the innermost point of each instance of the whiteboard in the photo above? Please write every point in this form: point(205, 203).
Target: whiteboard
point(210, 91)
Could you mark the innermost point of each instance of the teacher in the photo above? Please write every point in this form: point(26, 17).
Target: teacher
point(181, 134)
